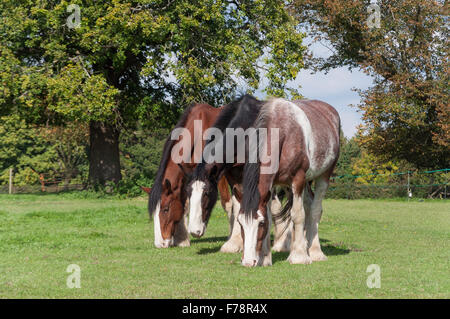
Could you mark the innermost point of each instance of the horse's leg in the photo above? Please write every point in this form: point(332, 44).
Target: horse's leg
point(307, 202)
point(225, 199)
point(283, 230)
point(181, 234)
point(313, 219)
point(234, 243)
point(264, 188)
point(299, 254)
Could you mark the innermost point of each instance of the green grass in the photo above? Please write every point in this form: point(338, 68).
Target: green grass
point(112, 241)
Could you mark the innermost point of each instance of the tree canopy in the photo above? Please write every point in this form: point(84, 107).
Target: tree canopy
point(138, 61)
point(405, 113)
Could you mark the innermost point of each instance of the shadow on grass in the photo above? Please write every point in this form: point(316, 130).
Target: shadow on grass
point(205, 251)
point(329, 249)
point(209, 240)
point(211, 250)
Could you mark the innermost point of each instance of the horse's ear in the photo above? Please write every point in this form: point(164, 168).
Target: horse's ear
point(168, 186)
point(146, 189)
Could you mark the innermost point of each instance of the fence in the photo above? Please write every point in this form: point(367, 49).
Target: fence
point(410, 184)
point(46, 184)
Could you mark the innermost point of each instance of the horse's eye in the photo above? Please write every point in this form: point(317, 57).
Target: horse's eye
point(166, 210)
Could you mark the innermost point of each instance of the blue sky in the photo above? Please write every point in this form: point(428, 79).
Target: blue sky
point(335, 88)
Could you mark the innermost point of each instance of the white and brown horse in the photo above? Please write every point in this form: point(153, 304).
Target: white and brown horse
point(308, 149)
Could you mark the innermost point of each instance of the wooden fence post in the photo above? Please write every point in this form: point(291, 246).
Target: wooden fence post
point(10, 180)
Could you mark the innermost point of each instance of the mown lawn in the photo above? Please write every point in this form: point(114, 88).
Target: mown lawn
point(112, 242)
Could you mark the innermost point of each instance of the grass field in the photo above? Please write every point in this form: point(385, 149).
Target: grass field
point(112, 242)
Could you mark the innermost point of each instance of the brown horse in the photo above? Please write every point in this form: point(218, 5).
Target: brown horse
point(308, 149)
point(167, 198)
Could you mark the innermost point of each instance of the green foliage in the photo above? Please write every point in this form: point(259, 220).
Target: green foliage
point(71, 144)
point(405, 113)
point(141, 151)
point(24, 151)
point(349, 152)
point(141, 60)
point(31, 151)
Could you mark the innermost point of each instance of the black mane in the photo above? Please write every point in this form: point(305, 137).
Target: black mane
point(156, 191)
point(250, 200)
point(240, 113)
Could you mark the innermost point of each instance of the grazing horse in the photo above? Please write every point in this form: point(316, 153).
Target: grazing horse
point(167, 199)
point(237, 116)
point(308, 148)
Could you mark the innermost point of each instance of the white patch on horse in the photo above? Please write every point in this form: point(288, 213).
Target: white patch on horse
point(196, 224)
point(310, 146)
point(159, 241)
point(250, 226)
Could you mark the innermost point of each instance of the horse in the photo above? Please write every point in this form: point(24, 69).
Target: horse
point(308, 150)
point(167, 199)
point(201, 186)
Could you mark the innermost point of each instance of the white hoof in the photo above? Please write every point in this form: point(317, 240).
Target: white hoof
point(281, 247)
point(185, 243)
point(317, 256)
point(296, 258)
point(267, 260)
point(231, 247)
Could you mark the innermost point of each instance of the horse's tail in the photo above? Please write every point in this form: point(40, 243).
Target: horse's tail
point(156, 190)
point(284, 214)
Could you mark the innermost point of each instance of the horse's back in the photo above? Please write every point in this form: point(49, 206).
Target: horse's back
point(203, 111)
point(320, 124)
point(327, 111)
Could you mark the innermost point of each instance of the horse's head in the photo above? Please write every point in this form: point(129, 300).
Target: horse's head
point(202, 193)
point(167, 213)
point(255, 221)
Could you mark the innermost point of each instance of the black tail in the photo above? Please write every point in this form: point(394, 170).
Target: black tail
point(284, 213)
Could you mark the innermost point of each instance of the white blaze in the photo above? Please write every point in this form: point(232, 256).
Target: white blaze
point(250, 227)
point(196, 224)
point(159, 241)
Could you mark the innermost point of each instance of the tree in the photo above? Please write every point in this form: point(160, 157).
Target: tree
point(130, 61)
point(70, 143)
point(349, 153)
point(405, 114)
point(24, 150)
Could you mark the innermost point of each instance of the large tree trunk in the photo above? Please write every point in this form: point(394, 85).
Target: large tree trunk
point(104, 159)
